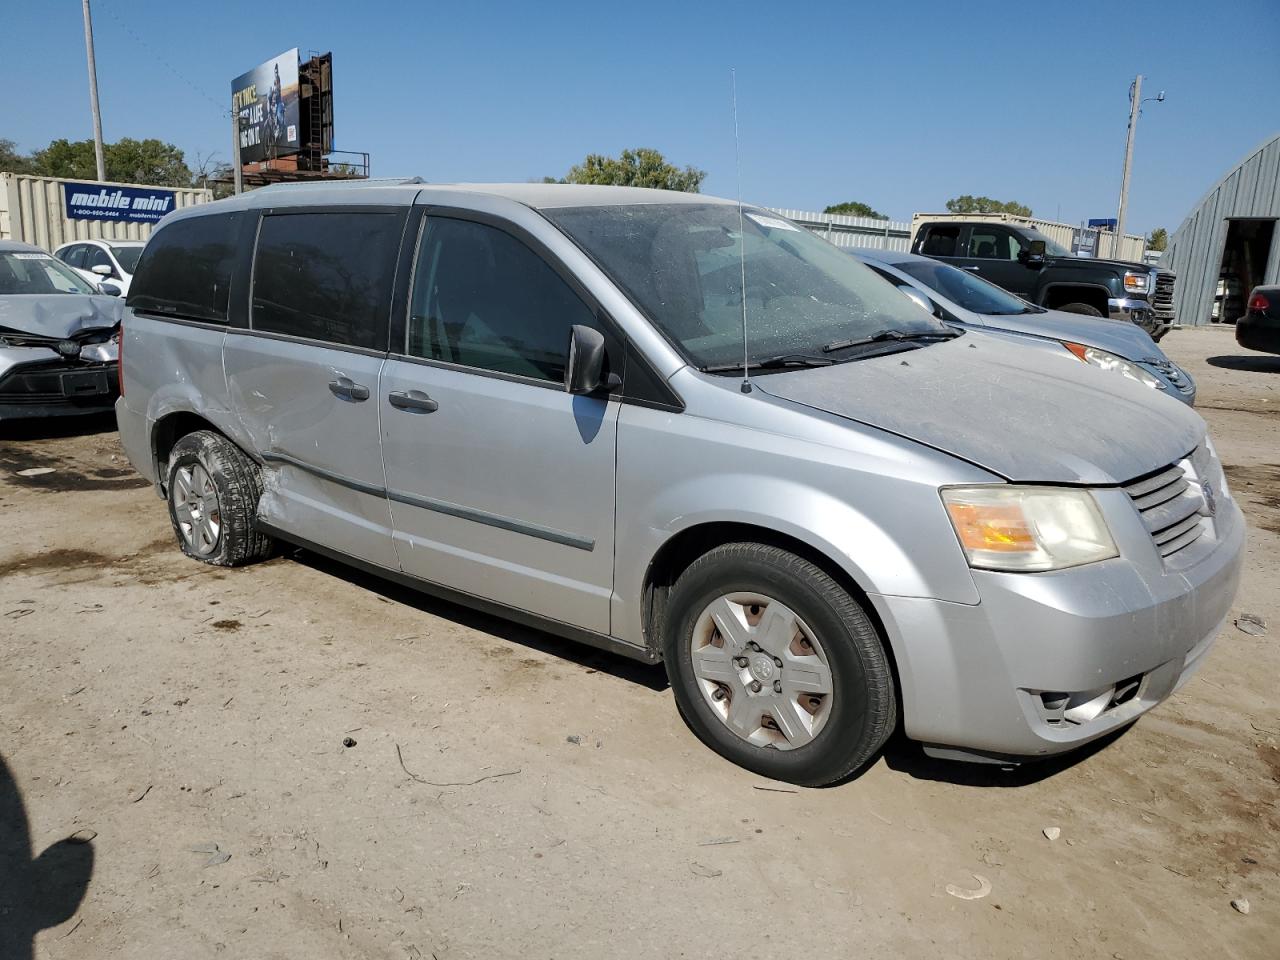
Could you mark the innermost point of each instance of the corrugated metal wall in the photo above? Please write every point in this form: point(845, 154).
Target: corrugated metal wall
point(853, 231)
point(32, 210)
point(1250, 190)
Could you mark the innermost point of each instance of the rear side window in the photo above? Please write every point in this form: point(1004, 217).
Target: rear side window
point(326, 276)
point(185, 270)
point(941, 242)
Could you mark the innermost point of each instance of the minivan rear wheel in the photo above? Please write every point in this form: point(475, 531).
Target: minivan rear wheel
point(213, 492)
point(776, 667)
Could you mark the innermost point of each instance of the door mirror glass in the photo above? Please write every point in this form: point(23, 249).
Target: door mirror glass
point(584, 368)
point(108, 289)
point(1033, 255)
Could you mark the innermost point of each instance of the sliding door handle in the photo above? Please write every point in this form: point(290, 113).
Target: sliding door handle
point(415, 401)
point(344, 388)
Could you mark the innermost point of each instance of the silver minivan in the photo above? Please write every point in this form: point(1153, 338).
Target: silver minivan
point(684, 431)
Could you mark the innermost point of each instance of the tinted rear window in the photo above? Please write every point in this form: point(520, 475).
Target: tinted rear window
point(185, 270)
point(326, 276)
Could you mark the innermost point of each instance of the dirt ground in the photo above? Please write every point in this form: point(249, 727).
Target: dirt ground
point(507, 794)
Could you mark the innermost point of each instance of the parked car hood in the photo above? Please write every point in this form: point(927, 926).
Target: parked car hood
point(58, 314)
point(1090, 262)
point(1121, 337)
point(1019, 412)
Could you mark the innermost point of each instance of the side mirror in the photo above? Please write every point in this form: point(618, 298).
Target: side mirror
point(1034, 255)
point(584, 371)
point(101, 270)
point(109, 290)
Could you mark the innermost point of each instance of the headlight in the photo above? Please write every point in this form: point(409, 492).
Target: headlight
point(1023, 529)
point(1109, 361)
point(1137, 282)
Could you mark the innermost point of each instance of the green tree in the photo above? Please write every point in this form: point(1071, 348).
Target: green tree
point(132, 161)
point(11, 161)
point(970, 204)
point(855, 208)
point(642, 167)
point(1159, 239)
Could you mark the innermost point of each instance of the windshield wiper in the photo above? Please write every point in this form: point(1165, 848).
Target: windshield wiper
point(773, 363)
point(882, 335)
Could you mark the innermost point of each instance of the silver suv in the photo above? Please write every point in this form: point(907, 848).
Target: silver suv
point(684, 431)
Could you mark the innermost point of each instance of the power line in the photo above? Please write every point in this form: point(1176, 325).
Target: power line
point(223, 109)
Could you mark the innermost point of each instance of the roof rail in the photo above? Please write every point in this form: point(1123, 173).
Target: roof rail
point(339, 184)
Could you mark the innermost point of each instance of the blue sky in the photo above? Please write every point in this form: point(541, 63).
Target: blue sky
point(900, 105)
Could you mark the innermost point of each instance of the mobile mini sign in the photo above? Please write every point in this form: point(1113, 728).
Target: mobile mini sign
point(93, 201)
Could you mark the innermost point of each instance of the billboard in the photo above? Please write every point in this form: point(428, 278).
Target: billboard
point(266, 99)
point(93, 201)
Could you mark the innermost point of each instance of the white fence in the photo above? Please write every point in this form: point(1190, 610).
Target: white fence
point(853, 231)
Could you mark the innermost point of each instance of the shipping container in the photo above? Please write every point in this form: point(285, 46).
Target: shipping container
point(49, 212)
point(1097, 243)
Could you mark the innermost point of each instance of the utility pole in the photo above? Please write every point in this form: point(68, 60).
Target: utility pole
point(1135, 101)
point(238, 170)
point(93, 93)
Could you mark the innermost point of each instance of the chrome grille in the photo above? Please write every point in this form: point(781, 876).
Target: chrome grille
point(1162, 296)
point(1171, 504)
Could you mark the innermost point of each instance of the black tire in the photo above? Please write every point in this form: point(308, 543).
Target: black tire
point(237, 483)
point(863, 710)
point(1082, 308)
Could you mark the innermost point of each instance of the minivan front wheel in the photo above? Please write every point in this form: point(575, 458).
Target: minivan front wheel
point(213, 493)
point(776, 667)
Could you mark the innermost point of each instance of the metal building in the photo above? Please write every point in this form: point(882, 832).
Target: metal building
point(1228, 244)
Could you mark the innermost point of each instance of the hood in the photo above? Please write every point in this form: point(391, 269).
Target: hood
point(1016, 411)
point(58, 314)
point(1092, 262)
point(1121, 337)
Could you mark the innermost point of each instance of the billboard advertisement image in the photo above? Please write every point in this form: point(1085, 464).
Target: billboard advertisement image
point(266, 99)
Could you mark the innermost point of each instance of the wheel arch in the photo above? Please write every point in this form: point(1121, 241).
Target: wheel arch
point(171, 427)
point(680, 550)
point(1065, 291)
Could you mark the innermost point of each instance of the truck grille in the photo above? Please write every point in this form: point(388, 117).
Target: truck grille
point(1162, 296)
point(1171, 503)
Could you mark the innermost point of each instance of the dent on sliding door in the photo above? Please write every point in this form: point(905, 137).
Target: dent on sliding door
point(304, 378)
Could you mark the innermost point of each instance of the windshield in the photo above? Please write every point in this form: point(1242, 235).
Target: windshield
point(680, 263)
point(964, 289)
point(37, 273)
point(127, 257)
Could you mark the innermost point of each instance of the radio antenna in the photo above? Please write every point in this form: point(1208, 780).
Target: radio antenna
point(742, 236)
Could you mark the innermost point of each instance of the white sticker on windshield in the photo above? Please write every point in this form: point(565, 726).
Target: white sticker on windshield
point(772, 223)
point(32, 256)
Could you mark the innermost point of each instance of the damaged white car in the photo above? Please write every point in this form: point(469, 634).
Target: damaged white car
point(59, 347)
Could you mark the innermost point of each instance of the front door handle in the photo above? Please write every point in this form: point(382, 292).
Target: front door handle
point(415, 401)
point(972, 269)
point(344, 388)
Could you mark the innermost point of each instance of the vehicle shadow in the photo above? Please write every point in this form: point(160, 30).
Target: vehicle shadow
point(53, 428)
point(35, 893)
point(1250, 362)
point(907, 756)
point(652, 676)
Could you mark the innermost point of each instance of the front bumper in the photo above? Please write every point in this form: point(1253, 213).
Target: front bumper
point(1139, 313)
point(48, 386)
point(987, 679)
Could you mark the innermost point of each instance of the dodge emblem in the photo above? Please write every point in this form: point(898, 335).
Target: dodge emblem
point(1210, 503)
